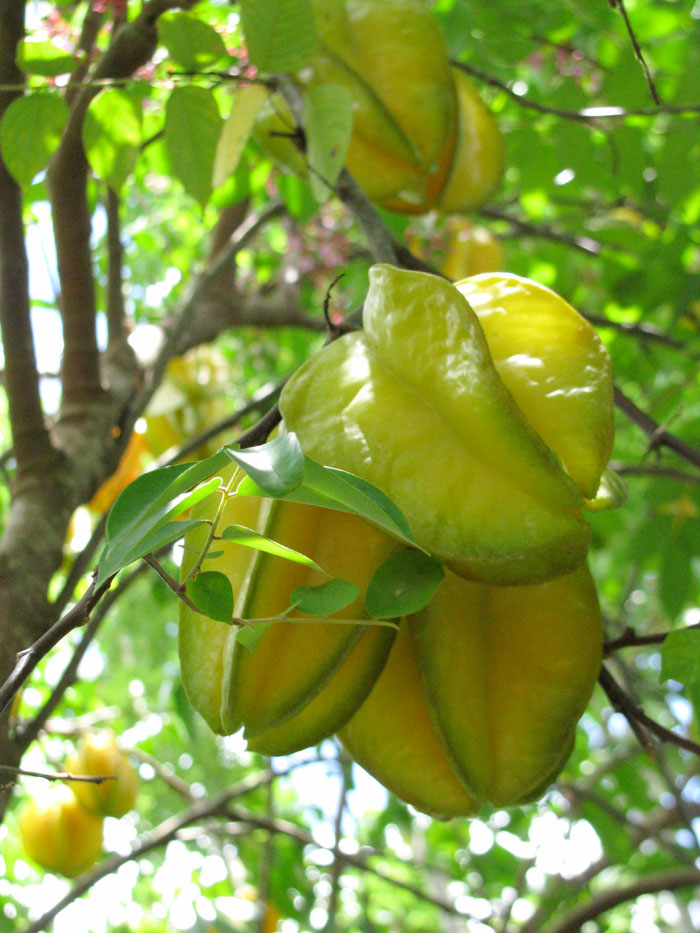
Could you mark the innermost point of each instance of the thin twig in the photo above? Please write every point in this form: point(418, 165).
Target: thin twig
point(619, 5)
point(28, 659)
point(636, 717)
point(26, 735)
point(671, 880)
point(590, 115)
point(584, 244)
point(630, 639)
point(658, 435)
point(61, 775)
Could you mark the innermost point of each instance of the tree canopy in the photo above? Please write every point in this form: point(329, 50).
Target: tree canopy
point(168, 259)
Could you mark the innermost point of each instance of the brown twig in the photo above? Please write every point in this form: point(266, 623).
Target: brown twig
point(61, 775)
point(32, 447)
point(619, 5)
point(671, 880)
point(28, 659)
point(658, 435)
point(638, 719)
point(590, 115)
point(630, 639)
point(116, 330)
point(584, 244)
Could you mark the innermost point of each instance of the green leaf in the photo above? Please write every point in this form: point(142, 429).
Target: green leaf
point(30, 131)
point(191, 42)
point(330, 488)
point(246, 102)
point(141, 519)
point(328, 127)
point(680, 657)
point(211, 593)
point(675, 576)
point(280, 34)
point(133, 502)
point(112, 135)
point(325, 599)
point(192, 130)
point(297, 197)
point(239, 534)
point(44, 58)
point(276, 468)
point(404, 583)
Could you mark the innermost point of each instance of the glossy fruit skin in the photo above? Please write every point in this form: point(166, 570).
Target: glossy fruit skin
point(563, 384)
point(391, 57)
point(59, 834)
point(471, 165)
point(414, 405)
point(481, 694)
point(98, 754)
point(478, 161)
point(271, 691)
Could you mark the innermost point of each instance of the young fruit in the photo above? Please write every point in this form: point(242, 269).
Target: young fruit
point(415, 405)
point(58, 834)
point(459, 249)
point(271, 690)
point(98, 755)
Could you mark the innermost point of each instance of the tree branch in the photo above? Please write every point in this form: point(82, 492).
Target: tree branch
point(630, 639)
point(32, 447)
point(658, 435)
point(158, 837)
point(116, 317)
point(619, 5)
point(28, 659)
point(672, 880)
point(636, 716)
point(67, 177)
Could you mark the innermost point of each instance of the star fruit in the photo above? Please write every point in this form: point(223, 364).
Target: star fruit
point(472, 164)
point(58, 834)
point(481, 694)
point(391, 57)
point(415, 405)
point(270, 691)
point(98, 755)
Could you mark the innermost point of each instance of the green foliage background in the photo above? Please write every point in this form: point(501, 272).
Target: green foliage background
point(601, 202)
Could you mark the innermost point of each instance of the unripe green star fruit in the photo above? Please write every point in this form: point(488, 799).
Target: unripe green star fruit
point(59, 834)
point(414, 405)
point(294, 661)
point(507, 673)
point(98, 755)
point(393, 737)
point(555, 366)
